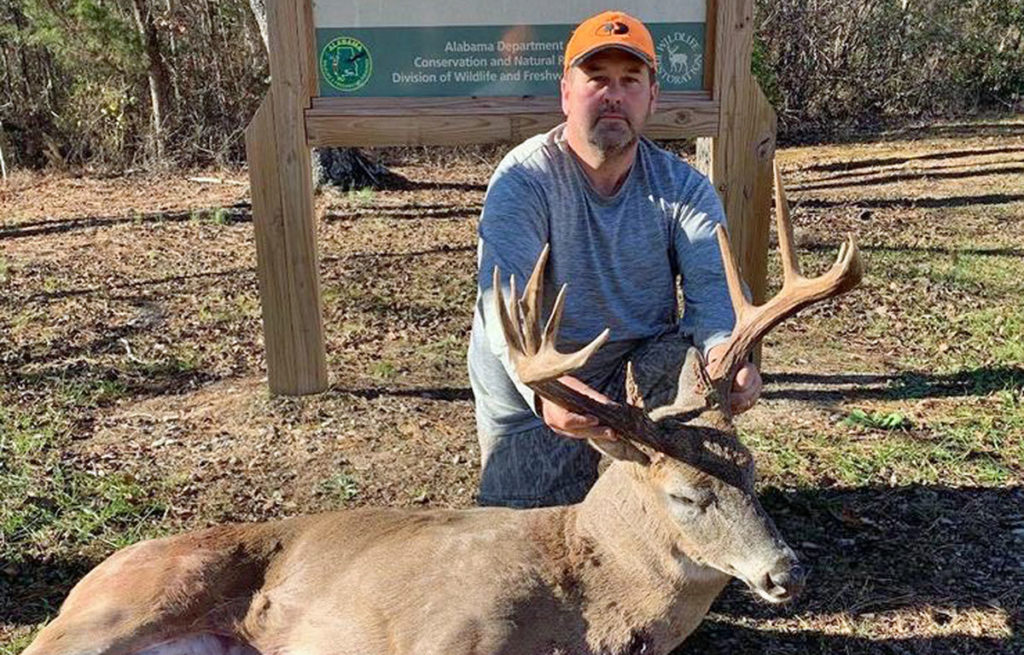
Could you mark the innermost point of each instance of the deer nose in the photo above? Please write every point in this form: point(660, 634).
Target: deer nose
point(785, 580)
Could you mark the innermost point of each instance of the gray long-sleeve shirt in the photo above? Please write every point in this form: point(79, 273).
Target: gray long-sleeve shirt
point(619, 255)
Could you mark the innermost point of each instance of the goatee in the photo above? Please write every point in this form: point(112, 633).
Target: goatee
point(611, 136)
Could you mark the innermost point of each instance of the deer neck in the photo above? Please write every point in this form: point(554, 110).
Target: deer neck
point(624, 520)
point(638, 559)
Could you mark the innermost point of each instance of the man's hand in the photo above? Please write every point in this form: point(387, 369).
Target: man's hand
point(746, 387)
point(569, 424)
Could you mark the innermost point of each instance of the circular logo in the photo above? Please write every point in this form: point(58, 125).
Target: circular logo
point(346, 63)
point(680, 58)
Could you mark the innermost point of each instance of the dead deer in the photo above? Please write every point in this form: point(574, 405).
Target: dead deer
point(631, 569)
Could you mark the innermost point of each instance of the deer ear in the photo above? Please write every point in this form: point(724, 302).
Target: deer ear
point(692, 388)
point(633, 395)
point(694, 382)
point(621, 450)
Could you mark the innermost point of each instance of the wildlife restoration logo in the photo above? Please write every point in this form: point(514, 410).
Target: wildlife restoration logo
point(680, 58)
point(346, 63)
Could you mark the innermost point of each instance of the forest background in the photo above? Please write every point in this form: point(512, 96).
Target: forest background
point(112, 85)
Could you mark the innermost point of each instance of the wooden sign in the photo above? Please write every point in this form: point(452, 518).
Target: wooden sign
point(468, 48)
point(447, 72)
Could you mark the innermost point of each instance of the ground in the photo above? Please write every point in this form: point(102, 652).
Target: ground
point(889, 441)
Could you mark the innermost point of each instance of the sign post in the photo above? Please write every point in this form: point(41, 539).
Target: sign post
point(445, 72)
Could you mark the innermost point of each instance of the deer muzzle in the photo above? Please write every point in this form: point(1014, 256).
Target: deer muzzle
point(782, 581)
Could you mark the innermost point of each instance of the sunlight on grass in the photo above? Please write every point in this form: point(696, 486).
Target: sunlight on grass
point(23, 637)
point(46, 500)
point(978, 445)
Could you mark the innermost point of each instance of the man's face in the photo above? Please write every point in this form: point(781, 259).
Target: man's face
point(607, 99)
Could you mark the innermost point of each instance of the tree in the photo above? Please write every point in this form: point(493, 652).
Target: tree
point(156, 72)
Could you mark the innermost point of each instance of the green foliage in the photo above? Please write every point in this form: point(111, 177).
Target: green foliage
point(84, 93)
point(86, 36)
point(45, 500)
point(384, 370)
point(877, 420)
point(341, 486)
point(840, 63)
point(766, 76)
point(362, 196)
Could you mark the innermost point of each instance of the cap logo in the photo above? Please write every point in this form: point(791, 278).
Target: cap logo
point(613, 27)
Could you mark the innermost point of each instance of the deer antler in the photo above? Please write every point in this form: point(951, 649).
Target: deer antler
point(539, 365)
point(753, 322)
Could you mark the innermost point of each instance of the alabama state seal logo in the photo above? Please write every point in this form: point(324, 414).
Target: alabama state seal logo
point(346, 63)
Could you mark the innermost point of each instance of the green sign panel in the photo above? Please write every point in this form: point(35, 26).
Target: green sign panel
point(479, 60)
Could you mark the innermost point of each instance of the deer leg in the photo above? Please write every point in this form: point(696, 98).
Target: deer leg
point(180, 595)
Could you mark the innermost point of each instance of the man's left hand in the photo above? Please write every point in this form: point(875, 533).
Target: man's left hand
point(746, 386)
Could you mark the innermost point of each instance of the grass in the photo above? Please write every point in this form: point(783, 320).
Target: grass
point(45, 500)
point(952, 324)
point(341, 486)
point(384, 370)
point(877, 420)
point(215, 215)
point(362, 197)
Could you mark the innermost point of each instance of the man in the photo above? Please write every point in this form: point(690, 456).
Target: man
point(623, 218)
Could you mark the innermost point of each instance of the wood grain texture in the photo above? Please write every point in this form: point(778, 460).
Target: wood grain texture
point(710, 32)
point(451, 121)
point(307, 48)
point(739, 160)
point(281, 176)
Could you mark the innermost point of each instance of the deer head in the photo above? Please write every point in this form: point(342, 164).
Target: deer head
point(685, 455)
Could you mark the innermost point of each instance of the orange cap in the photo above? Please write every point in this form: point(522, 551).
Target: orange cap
point(610, 29)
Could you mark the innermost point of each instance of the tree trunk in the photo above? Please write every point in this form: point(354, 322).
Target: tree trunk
point(3, 164)
point(156, 71)
point(345, 168)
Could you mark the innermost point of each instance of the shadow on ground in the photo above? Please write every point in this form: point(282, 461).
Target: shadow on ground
point(32, 590)
point(876, 162)
point(237, 213)
point(906, 385)
point(938, 250)
point(903, 177)
point(912, 203)
point(942, 552)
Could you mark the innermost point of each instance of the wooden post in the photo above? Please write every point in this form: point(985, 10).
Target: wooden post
point(281, 178)
point(739, 160)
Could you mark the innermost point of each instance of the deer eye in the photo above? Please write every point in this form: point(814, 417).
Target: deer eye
point(683, 499)
point(696, 499)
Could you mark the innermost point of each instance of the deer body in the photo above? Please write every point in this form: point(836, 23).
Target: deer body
point(599, 577)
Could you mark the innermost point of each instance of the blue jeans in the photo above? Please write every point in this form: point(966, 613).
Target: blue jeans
point(538, 468)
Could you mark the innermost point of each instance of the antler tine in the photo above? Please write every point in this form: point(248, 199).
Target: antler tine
point(531, 302)
point(533, 354)
point(509, 324)
point(790, 263)
point(539, 365)
point(753, 322)
point(732, 274)
point(633, 395)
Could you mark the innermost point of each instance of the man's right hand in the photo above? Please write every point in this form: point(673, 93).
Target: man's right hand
point(570, 424)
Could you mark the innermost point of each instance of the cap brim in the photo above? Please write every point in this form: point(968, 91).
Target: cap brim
point(639, 54)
